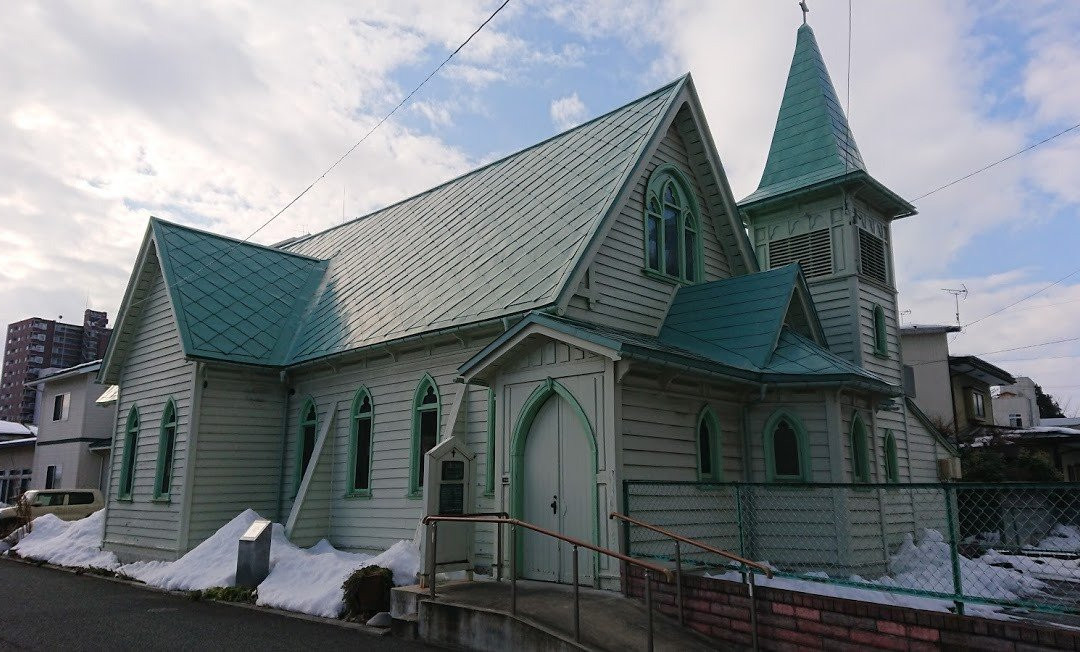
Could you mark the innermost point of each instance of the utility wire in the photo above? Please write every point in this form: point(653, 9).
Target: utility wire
point(1019, 301)
point(997, 162)
point(1015, 348)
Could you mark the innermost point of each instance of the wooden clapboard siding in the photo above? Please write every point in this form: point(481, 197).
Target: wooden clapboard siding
point(809, 408)
point(889, 366)
point(238, 450)
point(628, 298)
point(153, 372)
point(833, 300)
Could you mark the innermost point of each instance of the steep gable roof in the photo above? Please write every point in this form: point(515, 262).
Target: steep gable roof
point(812, 143)
point(737, 319)
point(499, 240)
point(234, 301)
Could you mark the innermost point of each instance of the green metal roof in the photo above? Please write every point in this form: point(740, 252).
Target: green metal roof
point(498, 241)
point(233, 300)
point(800, 361)
point(812, 143)
point(735, 320)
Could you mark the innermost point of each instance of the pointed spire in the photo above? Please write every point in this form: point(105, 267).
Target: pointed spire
point(812, 141)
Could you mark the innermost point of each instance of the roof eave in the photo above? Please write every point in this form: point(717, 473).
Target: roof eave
point(894, 206)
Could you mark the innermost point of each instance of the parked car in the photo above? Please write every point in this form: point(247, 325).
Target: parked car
point(65, 504)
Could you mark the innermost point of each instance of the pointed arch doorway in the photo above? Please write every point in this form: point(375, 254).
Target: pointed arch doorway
point(554, 484)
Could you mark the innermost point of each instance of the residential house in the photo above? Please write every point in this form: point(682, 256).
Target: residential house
point(74, 431)
point(954, 391)
point(1015, 405)
point(16, 459)
point(586, 311)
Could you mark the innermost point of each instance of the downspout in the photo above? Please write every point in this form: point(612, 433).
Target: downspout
point(284, 446)
point(746, 455)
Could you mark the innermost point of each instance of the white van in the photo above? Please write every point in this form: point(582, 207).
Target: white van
point(65, 504)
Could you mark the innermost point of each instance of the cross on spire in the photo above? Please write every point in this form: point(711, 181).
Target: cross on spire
point(805, 10)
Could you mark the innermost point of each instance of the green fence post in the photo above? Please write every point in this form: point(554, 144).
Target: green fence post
point(950, 515)
point(739, 520)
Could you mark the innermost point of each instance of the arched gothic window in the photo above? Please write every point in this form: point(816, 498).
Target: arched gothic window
point(672, 227)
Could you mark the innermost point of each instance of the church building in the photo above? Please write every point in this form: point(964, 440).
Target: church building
point(593, 309)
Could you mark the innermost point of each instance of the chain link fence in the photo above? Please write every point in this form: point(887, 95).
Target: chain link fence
point(1015, 545)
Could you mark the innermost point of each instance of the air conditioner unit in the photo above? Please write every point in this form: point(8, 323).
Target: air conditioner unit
point(949, 468)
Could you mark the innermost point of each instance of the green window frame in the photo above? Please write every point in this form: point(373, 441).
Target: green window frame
point(860, 451)
point(793, 443)
point(672, 227)
point(127, 461)
point(361, 444)
point(881, 343)
point(163, 475)
point(708, 442)
point(426, 420)
point(489, 462)
point(306, 432)
point(892, 466)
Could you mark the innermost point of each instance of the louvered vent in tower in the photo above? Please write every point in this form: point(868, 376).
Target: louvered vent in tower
point(812, 250)
point(872, 255)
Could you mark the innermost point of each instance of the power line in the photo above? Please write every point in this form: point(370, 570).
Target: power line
point(1033, 294)
point(997, 162)
point(1015, 348)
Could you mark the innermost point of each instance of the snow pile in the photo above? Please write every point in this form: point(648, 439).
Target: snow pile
point(928, 567)
point(64, 543)
point(1044, 568)
point(309, 581)
point(1063, 538)
point(211, 563)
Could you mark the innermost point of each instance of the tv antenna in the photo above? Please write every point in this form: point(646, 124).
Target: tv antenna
point(904, 313)
point(957, 295)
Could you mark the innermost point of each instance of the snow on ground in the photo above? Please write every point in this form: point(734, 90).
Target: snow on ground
point(1064, 538)
point(305, 580)
point(75, 543)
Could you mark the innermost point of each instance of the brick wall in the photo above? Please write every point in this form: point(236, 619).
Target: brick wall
point(789, 620)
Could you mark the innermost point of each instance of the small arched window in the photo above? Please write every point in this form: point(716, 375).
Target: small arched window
point(305, 445)
point(425, 431)
point(860, 456)
point(881, 344)
point(709, 454)
point(892, 468)
point(166, 446)
point(785, 449)
point(127, 463)
point(672, 227)
point(361, 420)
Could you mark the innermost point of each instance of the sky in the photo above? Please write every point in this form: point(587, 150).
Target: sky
point(218, 114)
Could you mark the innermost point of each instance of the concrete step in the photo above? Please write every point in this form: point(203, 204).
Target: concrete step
point(476, 616)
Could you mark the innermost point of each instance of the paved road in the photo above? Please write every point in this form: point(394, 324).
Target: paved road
point(46, 609)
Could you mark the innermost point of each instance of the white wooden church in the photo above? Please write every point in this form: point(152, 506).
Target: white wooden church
point(595, 308)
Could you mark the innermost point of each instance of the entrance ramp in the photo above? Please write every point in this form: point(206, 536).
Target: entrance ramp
point(476, 616)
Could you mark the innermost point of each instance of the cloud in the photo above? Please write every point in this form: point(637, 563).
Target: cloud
point(567, 111)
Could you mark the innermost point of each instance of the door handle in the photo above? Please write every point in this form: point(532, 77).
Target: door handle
point(555, 505)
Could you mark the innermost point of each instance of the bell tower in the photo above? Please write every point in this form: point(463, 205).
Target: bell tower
point(817, 205)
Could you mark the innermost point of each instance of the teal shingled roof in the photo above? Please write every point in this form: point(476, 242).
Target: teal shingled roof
point(736, 319)
point(234, 301)
point(812, 141)
point(795, 360)
point(497, 241)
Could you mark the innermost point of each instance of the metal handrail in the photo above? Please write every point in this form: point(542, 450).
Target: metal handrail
point(432, 522)
point(704, 546)
point(748, 575)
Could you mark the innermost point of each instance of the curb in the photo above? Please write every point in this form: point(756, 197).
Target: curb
point(343, 624)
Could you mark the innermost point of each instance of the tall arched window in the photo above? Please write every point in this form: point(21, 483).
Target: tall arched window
point(860, 455)
point(709, 454)
point(786, 454)
point(425, 431)
point(892, 468)
point(672, 226)
point(166, 445)
point(361, 420)
point(127, 463)
point(305, 445)
point(881, 344)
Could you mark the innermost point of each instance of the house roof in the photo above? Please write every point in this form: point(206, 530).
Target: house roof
point(979, 369)
point(793, 359)
point(59, 374)
point(18, 443)
point(501, 240)
point(928, 329)
point(10, 428)
point(737, 319)
point(982, 436)
point(812, 145)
